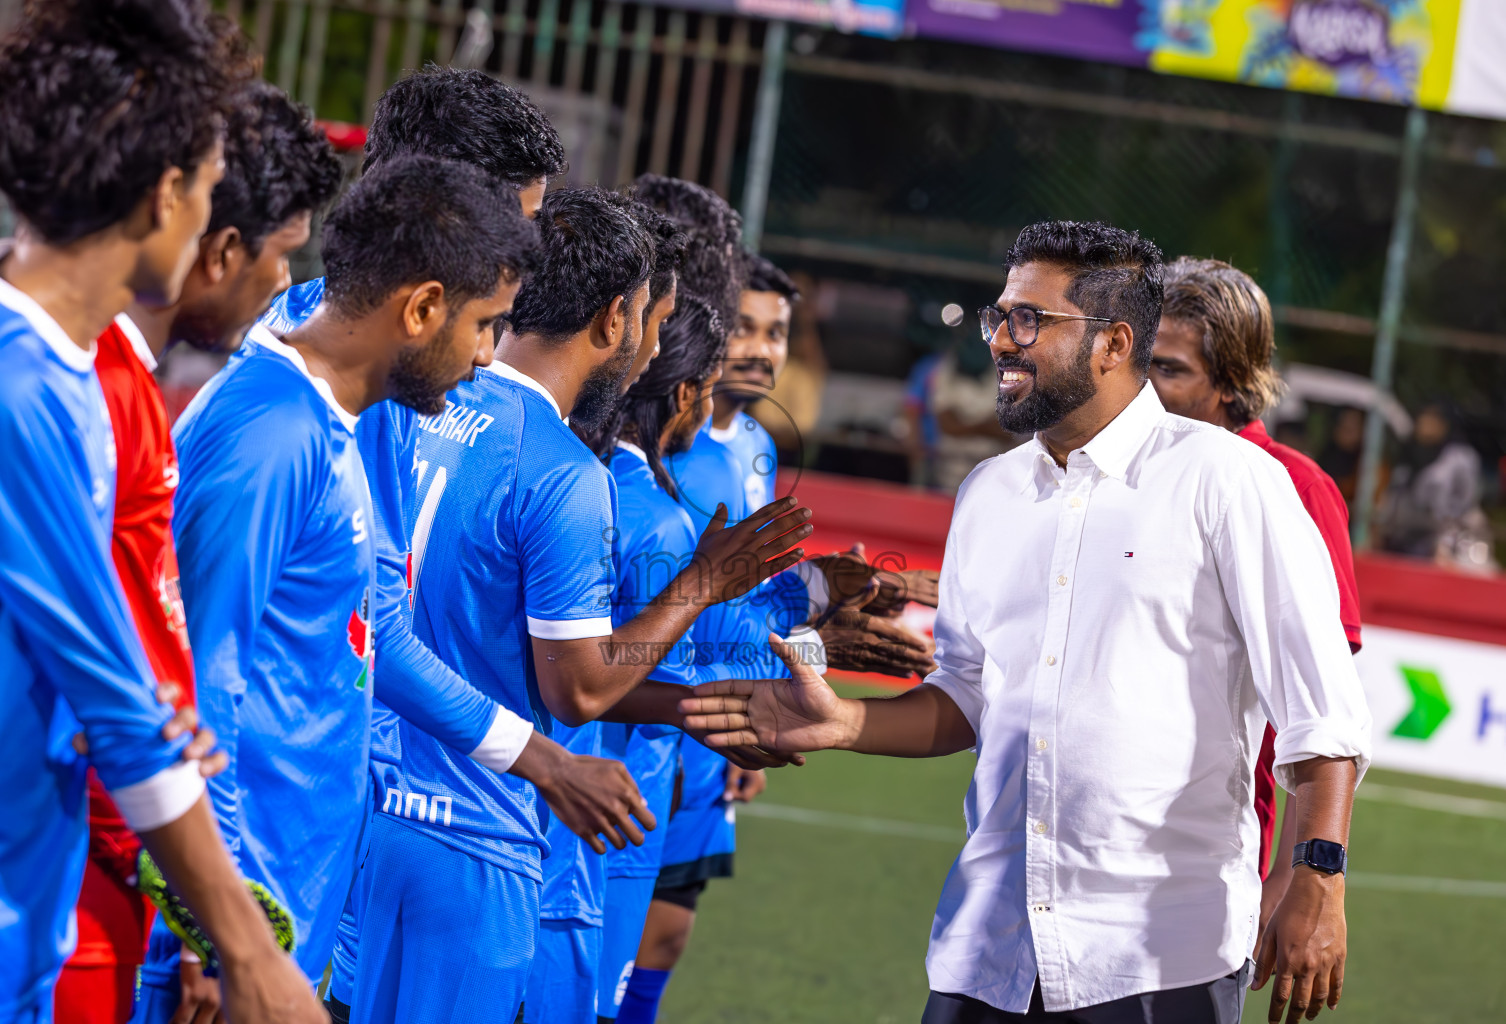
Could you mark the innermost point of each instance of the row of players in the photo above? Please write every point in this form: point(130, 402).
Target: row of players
point(556, 542)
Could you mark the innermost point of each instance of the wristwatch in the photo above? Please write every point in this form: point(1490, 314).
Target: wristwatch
point(1322, 855)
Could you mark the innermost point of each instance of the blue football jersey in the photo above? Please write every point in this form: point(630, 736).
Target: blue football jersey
point(511, 538)
point(735, 467)
point(274, 530)
point(575, 877)
point(410, 681)
point(69, 655)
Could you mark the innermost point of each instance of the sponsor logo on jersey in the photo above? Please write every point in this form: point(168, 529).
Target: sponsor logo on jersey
point(358, 636)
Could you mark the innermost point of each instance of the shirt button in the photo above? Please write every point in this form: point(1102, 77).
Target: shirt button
point(1061, 581)
point(1040, 744)
point(1051, 659)
point(1041, 827)
point(1039, 908)
point(1077, 503)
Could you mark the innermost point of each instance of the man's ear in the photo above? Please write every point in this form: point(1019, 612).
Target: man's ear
point(222, 254)
point(685, 395)
point(1118, 346)
point(167, 195)
point(610, 326)
point(424, 309)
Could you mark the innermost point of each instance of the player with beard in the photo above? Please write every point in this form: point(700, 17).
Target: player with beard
point(278, 170)
point(273, 522)
point(469, 116)
point(512, 584)
point(659, 416)
point(562, 982)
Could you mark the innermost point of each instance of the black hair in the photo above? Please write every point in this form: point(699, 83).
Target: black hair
point(692, 343)
point(467, 115)
point(1115, 274)
point(592, 249)
point(760, 275)
point(710, 268)
point(100, 98)
point(416, 218)
point(669, 251)
point(278, 164)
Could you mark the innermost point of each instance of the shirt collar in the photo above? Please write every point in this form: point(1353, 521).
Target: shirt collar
point(1113, 447)
point(1255, 431)
point(138, 341)
point(628, 446)
point(722, 435)
point(273, 343)
point(517, 376)
point(46, 327)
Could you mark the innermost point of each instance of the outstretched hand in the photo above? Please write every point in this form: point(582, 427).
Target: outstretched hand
point(731, 560)
point(781, 716)
point(854, 582)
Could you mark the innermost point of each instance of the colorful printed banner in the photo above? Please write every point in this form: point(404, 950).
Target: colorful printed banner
point(865, 17)
point(1439, 54)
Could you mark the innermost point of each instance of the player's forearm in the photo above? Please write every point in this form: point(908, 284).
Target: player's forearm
point(196, 864)
point(923, 722)
point(1324, 795)
point(649, 703)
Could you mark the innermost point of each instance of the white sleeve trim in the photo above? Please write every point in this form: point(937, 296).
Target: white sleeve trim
point(503, 742)
point(569, 629)
point(161, 799)
point(817, 593)
point(811, 648)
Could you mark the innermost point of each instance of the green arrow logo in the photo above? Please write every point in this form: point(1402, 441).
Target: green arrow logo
point(1430, 704)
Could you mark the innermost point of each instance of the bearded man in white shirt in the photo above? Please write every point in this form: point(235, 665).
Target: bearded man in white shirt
point(1125, 600)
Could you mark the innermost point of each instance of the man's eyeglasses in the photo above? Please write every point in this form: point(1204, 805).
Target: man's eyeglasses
point(1024, 322)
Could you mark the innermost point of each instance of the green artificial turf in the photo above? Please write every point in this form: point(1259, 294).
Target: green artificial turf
point(827, 920)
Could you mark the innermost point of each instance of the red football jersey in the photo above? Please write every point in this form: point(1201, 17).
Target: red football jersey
point(1321, 497)
point(112, 919)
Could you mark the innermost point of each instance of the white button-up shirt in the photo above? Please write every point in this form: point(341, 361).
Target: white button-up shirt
point(1118, 632)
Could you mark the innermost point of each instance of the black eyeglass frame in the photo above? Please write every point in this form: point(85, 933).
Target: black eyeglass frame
point(1007, 317)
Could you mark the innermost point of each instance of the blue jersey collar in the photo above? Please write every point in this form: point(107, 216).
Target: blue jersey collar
point(517, 376)
point(47, 328)
point(272, 343)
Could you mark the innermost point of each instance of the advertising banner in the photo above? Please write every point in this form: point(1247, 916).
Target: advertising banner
point(884, 18)
point(1106, 30)
point(1439, 705)
point(1438, 54)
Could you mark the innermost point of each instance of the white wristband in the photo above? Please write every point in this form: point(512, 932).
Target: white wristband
point(503, 742)
point(161, 799)
point(809, 647)
point(817, 593)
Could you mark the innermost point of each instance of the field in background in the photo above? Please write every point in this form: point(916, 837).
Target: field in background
point(840, 864)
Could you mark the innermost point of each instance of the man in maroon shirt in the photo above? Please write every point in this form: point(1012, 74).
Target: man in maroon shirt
point(1212, 362)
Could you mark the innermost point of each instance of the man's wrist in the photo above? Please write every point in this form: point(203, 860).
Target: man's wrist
point(540, 762)
point(850, 718)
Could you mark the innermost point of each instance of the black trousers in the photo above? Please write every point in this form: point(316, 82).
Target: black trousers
point(1217, 1002)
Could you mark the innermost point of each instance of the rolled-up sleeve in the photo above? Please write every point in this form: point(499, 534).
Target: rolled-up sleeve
point(1279, 583)
point(959, 653)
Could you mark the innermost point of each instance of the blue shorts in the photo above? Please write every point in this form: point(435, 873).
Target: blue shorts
point(443, 936)
point(562, 986)
point(626, 910)
point(702, 835)
point(342, 962)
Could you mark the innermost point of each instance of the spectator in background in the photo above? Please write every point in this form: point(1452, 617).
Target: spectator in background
point(1432, 508)
point(1340, 457)
point(1212, 362)
point(949, 403)
point(794, 404)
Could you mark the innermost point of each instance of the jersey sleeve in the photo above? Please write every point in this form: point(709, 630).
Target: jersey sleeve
point(565, 522)
point(732, 642)
point(59, 589)
point(247, 484)
point(410, 678)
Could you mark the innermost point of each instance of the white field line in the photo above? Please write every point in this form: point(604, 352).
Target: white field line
point(955, 837)
point(1472, 807)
